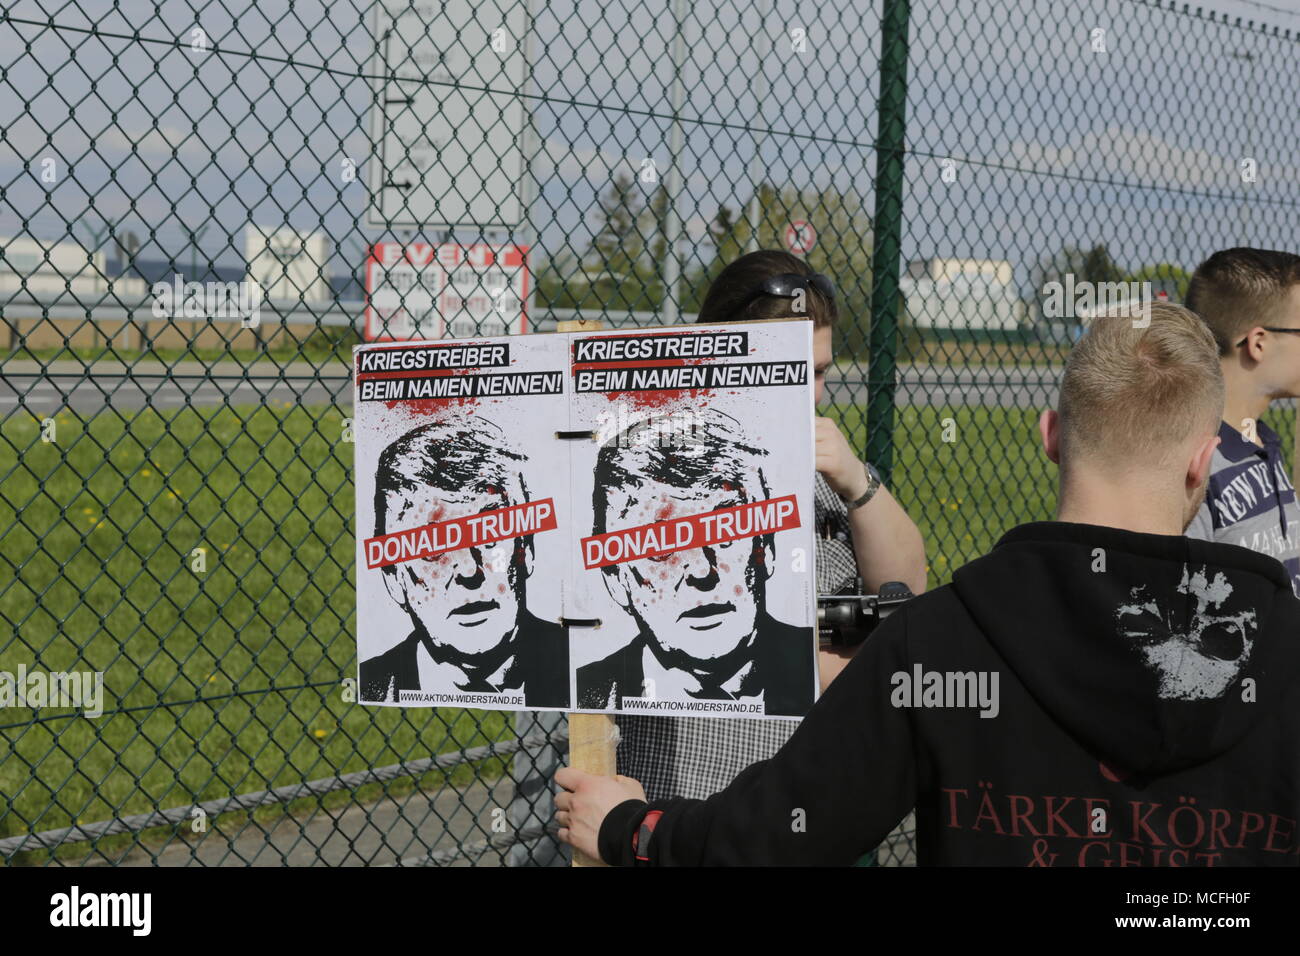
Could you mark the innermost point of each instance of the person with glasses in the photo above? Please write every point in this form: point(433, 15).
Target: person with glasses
point(864, 540)
point(1250, 300)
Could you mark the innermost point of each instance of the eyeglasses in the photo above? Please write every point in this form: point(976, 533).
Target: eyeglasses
point(788, 285)
point(1268, 328)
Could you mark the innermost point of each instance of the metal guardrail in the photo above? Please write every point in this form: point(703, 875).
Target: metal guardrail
point(26, 306)
point(135, 823)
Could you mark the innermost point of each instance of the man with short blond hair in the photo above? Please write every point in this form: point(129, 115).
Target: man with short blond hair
point(1249, 299)
point(1066, 698)
point(1128, 388)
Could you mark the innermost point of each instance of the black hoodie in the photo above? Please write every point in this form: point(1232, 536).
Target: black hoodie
point(1147, 713)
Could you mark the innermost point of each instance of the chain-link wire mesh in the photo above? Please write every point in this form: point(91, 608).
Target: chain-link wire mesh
point(177, 499)
point(1105, 145)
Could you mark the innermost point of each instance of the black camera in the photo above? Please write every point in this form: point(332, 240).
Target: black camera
point(845, 620)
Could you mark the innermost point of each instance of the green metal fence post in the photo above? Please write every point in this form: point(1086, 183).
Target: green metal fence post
point(890, 142)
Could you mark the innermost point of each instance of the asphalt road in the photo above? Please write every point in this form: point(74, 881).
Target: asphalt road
point(70, 385)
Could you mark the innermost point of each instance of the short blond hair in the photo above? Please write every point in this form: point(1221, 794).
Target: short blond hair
point(1134, 395)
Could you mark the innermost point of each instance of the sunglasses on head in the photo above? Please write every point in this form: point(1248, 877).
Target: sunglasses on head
point(788, 285)
point(1267, 328)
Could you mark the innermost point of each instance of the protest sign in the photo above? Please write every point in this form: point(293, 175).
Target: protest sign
point(461, 486)
point(693, 516)
point(592, 521)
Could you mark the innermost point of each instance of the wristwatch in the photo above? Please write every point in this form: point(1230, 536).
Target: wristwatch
point(873, 485)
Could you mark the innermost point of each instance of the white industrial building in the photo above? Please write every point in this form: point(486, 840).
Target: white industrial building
point(288, 265)
point(961, 295)
point(56, 269)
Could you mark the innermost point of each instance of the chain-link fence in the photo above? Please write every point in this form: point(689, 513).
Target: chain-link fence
point(1098, 146)
point(202, 210)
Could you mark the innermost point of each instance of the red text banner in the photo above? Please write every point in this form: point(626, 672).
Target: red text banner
point(468, 531)
point(693, 531)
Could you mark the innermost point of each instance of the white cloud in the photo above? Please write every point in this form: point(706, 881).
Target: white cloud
point(696, 227)
point(1144, 157)
point(160, 141)
point(572, 162)
point(600, 166)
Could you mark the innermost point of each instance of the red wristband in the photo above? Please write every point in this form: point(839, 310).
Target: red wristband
point(642, 836)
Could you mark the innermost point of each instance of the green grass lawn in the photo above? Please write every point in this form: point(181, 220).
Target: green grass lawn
point(219, 682)
point(965, 474)
point(228, 681)
point(964, 494)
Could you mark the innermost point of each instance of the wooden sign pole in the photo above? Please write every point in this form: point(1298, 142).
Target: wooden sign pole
point(593, 738)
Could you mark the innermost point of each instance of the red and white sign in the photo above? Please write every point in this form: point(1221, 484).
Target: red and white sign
point(694, 531)
point(468, 531)
point(480, 526)
point(418, 290)
point(800, 237)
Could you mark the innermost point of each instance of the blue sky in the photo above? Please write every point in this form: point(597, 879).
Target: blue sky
point(1051, 142)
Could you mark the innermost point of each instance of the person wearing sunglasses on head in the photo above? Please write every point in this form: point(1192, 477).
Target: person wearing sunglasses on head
point(1250, 300)
point(864, 539)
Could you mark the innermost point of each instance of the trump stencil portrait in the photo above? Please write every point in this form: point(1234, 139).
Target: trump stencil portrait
point(454, 529)
point(683, 530)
